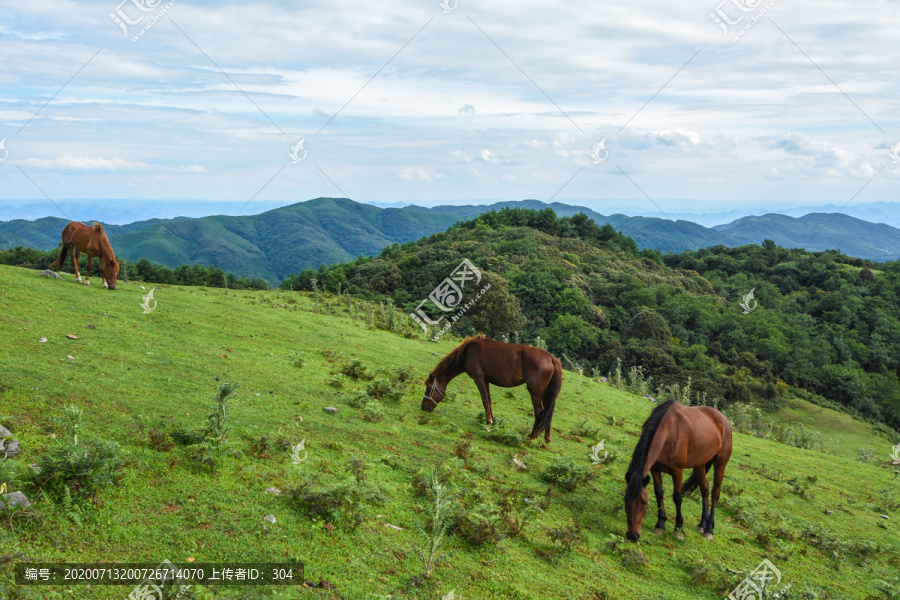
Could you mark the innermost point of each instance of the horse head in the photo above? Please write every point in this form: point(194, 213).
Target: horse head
point(636, 506)
point(433, 393)
point(110, 272)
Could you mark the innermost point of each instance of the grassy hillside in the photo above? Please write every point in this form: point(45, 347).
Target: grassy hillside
point(136, 372)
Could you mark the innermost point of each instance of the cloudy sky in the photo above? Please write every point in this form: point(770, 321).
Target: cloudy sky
point(781, 103)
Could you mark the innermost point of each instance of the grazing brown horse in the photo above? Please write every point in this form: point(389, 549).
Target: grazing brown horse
point(675, 438)
point(77, 238)
point(488, 361)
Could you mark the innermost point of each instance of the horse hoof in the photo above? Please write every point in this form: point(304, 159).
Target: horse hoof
point(659, 531)
point(679, 535)
point(708, 536)
point(700, 529)
point(87, 283)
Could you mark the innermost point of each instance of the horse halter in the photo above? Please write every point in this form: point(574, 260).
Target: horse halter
point(433, 388)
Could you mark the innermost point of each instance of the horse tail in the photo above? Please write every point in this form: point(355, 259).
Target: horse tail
point(57, 264)
point(548, 398)
point(693, 483)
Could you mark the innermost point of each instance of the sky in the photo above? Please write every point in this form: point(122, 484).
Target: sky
point(655, 107)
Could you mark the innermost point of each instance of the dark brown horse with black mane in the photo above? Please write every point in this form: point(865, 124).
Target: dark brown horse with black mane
point(77, 238)
point(675, 438)
point(488, 361)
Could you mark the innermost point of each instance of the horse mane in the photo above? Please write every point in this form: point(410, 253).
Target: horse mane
point(105, 246)
point(452, 360)
point(635, 473)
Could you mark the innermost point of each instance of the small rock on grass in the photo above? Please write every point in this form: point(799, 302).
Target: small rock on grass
point(273, 490)
point(885, 517)
point(51, 274)
point(9, 449)
point(43, 340)
point(270, 518)
point(89, 326)
point(14, 499)
point(829, 512)
point(71, 337)
point(4, 432)
point(517, 464)
point(331, 409)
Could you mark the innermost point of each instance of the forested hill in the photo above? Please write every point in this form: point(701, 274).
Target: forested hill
point(823, 326)
point(276, 243)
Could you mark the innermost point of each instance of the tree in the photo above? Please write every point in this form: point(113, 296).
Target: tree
point(497, 311)
point(648, 324)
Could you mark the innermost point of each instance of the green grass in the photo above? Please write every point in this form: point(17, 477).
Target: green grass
point(167, 366)
point(849, 433)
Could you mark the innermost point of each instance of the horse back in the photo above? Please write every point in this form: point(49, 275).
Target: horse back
point(507, 364)
point(691, 436)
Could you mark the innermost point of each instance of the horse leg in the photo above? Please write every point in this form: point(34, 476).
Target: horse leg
point(700, 474)
point(718, 476)
point(76, 256)
point(538, 411)
point(103, 270)
point(660, 502)
point(90, 261)
point(677, 478)
point(485, 391)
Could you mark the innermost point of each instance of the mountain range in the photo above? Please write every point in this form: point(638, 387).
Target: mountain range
point(278, 242)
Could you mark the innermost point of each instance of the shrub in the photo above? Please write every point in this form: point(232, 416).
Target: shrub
point(373, 412)
point(356, 370)
point(77, 466)
point(440, 508)
point(342, 503)
point(481, 524)
point(565, 474)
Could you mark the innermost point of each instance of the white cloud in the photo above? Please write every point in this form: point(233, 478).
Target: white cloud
point(86, 163)
point(677, 137)
point(746, 120)
point(417, 173)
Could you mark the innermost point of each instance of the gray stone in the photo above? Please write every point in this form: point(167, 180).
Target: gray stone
point(273, 490)
point(9, 449)
point(4, 432)
point(517, 464)
point(14, 499)
point(604, 380)
point(51, 274)
point(330, 409)
point(270, 519)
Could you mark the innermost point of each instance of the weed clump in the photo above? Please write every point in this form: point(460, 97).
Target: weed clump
point(373, 412)
point(341, 504)
point(78, 466)
point(356, 370)
point(565, 474)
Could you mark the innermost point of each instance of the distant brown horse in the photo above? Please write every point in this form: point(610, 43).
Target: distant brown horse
point(675, 438)
point(77, 238)
point(488, 361)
